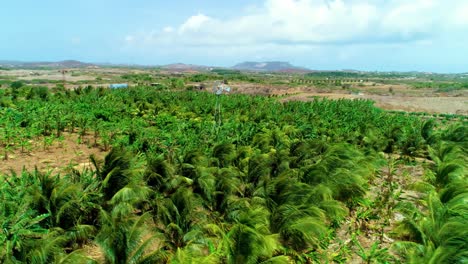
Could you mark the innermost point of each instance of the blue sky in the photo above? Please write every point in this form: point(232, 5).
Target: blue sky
point(400, 35)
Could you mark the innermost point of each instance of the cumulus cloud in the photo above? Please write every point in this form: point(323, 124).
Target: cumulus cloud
point(316, 22)
point(320, 34)
point(194, 24)
point(461, 15)
point(168, 29)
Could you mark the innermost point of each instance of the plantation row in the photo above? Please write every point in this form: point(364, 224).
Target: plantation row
point(438, 233)
point(268, 183)
point(147, 120)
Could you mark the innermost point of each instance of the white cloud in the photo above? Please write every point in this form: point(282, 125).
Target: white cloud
point(460, 17)
point(315, 23)
point(168, 29)
point(194, 23)
point(411, 18)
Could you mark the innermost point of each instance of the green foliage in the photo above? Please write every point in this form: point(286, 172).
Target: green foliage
point(442, 86)
point(177, 83)
point(137, 78)
point(200, 77)
point(270, 185)
point(335, 74)
point(439, 234)
point(225, 71)
point(16, 84)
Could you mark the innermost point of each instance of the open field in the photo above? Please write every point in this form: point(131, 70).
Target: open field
point(167, 172)
point(402, 97)
point(429, 104)
point(399, 95)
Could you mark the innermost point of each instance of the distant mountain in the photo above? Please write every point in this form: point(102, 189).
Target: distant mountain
point(73, 64)
point(269, 66)
point(182, 67)
point(47, 64)
point(176, 67)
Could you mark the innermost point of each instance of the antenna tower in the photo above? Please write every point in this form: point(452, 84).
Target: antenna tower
point(63, 71)
point(219, 89)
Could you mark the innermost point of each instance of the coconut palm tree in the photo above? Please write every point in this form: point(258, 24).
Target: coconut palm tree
point(224, 154)
point(343, 169)
point(127, 239)
point(440, 236)
point(115, 173)
point(250, 240)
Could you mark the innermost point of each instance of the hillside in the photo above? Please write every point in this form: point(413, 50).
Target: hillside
point(269, 66)
point(182, 67)
point(46, 64)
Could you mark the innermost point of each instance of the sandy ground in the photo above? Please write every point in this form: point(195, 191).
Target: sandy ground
point(386, 96)
point(55, 75)
point(59, 157)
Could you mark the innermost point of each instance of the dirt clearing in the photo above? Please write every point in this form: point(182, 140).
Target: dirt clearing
point(58, 158)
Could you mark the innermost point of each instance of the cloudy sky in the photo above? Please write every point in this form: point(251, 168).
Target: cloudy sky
point(400, 35)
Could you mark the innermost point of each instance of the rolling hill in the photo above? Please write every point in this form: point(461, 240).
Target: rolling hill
point(269, 66)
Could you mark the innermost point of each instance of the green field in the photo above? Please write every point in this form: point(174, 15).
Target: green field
point(325, 181)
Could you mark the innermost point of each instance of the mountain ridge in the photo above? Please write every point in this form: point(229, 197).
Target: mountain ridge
point(269, 66)
point(46, 64)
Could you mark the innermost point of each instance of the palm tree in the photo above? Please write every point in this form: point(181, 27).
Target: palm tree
point(22, 234)
point(296, 215)
point(76, 256)
point(120, 182)
point(224, 154)
point(440, 236)
point(228, 185)
point(193, 255)
point(115, 173)
point(449, 162)
point(456, 133)
point(190, 210)
point(341, 168)
point(126, 239)
point(158, 172)
point(250, 240)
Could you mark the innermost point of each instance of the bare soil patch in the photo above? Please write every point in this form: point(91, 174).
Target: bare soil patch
point(57, 158)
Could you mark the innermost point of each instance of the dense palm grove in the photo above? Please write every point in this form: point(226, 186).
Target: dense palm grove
point(258, 182)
